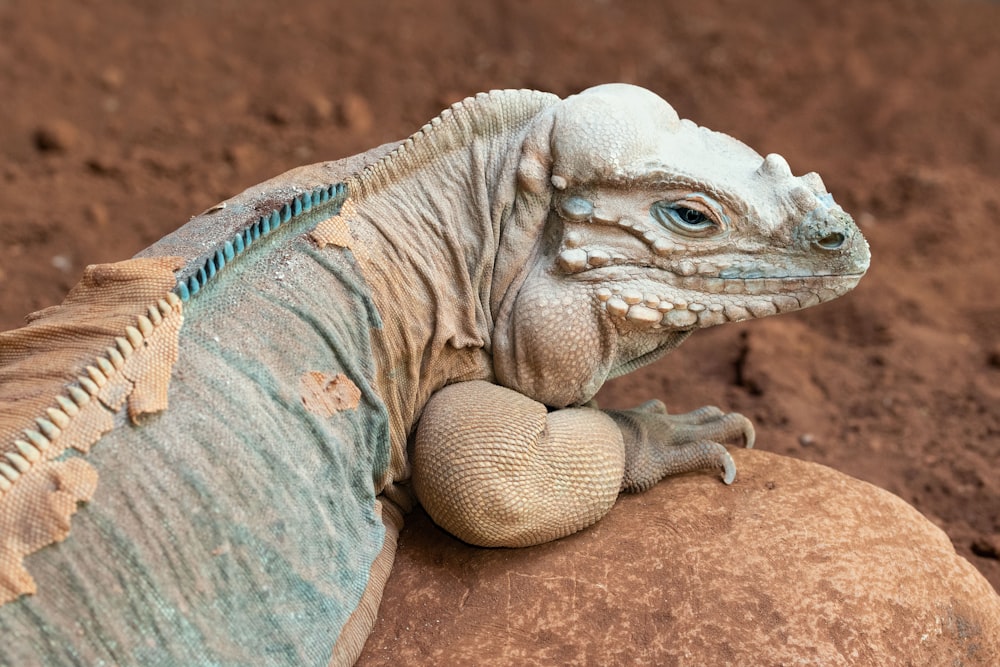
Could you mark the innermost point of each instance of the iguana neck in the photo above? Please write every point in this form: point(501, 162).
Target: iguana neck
point(477, 127)
point(428, 218)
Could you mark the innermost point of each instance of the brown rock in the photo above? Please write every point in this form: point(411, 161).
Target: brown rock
point(56, 136)
point(354, 113)
point(987, 546)
point(244, 157)
point(794, 564)
point(994, 356)
point(98, 215)
point(321, 109)
point(279, 115)
point(112, 78)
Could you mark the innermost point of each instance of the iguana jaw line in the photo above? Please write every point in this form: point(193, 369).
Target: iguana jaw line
point(668, 301)
point(708, 283)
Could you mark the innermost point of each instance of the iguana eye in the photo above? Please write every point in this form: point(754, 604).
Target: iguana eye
point(683, 219)
point(692, 217)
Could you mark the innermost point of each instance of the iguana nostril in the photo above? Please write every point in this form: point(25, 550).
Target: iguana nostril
point(832, 241)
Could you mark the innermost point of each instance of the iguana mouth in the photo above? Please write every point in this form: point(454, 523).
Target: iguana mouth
point(658, 298)
point(579, 262)
point(711, 285)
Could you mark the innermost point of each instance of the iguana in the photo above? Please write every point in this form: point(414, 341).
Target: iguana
point(242, 407)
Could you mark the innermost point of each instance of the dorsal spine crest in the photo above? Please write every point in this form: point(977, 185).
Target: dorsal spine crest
point(234, 247)
point(484, 115)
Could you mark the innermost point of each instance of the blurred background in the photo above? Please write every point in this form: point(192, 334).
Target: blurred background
point(120, 120)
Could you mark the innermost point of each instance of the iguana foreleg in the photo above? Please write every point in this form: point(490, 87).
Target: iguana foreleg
point(495, 468)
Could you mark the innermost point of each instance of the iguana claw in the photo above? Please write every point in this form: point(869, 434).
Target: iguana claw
point(728, 468)
point(658, 445)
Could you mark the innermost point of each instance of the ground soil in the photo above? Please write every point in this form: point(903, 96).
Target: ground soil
point(120, 120)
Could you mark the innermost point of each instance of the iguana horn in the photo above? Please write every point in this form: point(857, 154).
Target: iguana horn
point(814, 182)
point(804, 198)
point(775, 166)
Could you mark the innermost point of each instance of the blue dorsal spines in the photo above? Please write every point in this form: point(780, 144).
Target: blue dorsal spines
point(261, 227)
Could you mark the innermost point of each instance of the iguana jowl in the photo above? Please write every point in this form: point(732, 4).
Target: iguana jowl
point(236, 402)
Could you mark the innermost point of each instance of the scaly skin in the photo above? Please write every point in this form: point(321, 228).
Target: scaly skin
point(447, 325)
point(606, 232)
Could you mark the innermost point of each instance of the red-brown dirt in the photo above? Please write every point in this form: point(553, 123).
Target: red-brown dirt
point(120, 120)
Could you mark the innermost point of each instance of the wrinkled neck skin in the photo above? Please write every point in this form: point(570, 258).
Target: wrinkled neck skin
point(427, 224)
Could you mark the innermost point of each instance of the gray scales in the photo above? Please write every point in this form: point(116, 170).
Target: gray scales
point(433, 327)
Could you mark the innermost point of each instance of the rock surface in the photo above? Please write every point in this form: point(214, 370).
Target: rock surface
point(794, 564)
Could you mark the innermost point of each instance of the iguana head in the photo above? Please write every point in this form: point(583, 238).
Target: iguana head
point(656, 227)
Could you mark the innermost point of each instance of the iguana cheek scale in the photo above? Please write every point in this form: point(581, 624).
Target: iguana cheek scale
point(249, 404)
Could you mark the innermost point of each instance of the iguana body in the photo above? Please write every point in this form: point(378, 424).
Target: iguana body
point(244, 444)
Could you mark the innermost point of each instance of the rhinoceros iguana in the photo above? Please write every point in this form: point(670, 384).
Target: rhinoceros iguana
point(242, 407)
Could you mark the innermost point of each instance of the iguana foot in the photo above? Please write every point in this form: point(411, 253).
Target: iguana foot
point(658, 444)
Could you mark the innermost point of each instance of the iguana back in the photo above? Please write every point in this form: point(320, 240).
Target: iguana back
point(262, 504)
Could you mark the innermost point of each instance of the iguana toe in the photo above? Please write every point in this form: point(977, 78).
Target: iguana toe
point(700, 455)
point(702, 415)
point(653, 406)
point(658, 445)
point(710, 423)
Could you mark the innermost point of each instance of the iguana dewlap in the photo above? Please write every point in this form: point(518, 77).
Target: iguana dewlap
point(240, 404)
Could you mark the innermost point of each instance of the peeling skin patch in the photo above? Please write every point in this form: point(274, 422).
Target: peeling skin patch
point(325, 395)
point(47, 498)
point(335, 231)
point(112, 343)
point(332, 231)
